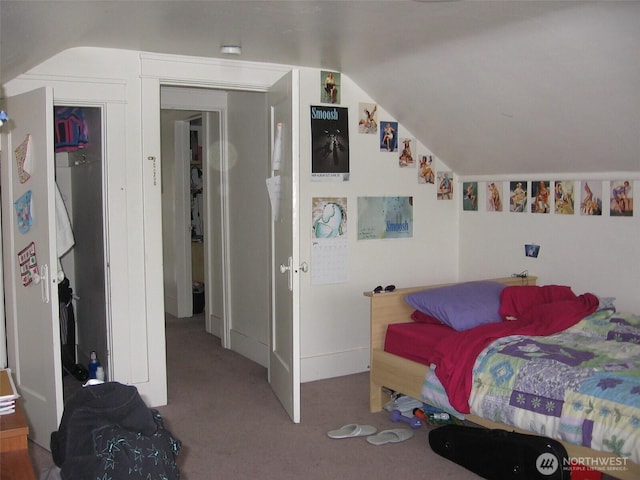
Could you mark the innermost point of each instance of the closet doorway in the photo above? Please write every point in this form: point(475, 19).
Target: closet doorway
point(82, 269)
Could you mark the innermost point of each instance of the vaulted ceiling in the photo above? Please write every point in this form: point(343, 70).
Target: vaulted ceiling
point(491, 87)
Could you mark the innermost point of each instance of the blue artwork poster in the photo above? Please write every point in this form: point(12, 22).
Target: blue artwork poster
point(385, 217)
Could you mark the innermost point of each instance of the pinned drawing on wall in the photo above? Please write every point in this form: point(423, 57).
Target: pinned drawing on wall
point(445, 186)
point(368, 118)
point(28, 263)
point(494, 196)
point(23, 212)
point(425, 172)
point(329, 240)
point(540, 197)
point(407, 158)
point(518, 196)
point(591, 198)
point(330, 92)
point(621, 201)
point(329, 217)
point(531, 250)
point(470, 196)
point(564, 197)
point(23, 159)
point(385, 217)
point(389, 136)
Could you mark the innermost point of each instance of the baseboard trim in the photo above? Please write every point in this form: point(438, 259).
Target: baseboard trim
point(247, 347)
point(336, 364)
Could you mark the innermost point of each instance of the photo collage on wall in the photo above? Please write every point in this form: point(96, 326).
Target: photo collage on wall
point(378, 217)
point(330, 139)
point(559, 197)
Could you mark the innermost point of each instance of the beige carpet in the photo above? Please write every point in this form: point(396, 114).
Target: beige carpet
point(233, 427)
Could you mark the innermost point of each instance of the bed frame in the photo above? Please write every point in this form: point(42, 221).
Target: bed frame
point(391, 373)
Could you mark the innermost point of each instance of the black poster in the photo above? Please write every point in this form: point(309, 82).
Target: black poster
point(329, 143)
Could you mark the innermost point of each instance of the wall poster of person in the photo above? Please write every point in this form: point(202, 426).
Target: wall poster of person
point(329, 143)
point(388, 136)
point(330, 92)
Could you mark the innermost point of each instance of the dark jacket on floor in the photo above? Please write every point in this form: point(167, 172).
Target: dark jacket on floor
point(108, 431)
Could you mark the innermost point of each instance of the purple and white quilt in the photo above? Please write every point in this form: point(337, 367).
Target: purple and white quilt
point(581, 385)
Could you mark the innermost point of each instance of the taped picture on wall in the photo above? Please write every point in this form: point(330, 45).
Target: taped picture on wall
point(426, 173)
point(591, 198)
point(621, 198)
point(531, 250)
point(470, 196)
point(494, 196)
point(564, 197)
point(540, 197)
point(518, 196)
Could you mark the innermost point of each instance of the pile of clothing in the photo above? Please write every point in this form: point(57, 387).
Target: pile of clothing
point(107, 431)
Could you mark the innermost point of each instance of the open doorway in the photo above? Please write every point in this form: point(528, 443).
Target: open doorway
point(232, 127)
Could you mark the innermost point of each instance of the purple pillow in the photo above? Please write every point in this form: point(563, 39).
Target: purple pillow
point(461, 306)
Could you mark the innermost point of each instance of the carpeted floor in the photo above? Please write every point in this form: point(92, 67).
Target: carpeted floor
point(233, 427)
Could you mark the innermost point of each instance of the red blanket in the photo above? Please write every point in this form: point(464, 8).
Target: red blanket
point(456, 354)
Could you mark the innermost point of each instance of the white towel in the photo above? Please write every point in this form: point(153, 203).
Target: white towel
point(64, 232)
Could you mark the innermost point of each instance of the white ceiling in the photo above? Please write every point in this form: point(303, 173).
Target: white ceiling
point(491, 87)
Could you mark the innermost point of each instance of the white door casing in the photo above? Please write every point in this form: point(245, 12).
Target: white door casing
point(32, 311)
point(284, 332)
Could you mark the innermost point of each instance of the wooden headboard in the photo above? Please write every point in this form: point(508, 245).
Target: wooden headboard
point(390, 307)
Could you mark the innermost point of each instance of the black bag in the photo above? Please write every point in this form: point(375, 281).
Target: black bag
point(107, 431)
point(499, 454)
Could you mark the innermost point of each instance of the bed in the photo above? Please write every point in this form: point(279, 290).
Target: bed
point(392, 373)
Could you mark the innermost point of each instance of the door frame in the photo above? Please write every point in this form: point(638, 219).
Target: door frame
point(184, 98)
point(173, 70)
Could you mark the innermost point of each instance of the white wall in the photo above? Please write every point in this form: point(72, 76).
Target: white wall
point(335, 318)
point(589, 253)
point(597, 254)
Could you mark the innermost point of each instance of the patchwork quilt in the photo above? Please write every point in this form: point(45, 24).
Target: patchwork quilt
point(580, 385)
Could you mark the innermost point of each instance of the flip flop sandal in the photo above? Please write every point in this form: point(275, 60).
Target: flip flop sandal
point(394, 435)
point(352, 430)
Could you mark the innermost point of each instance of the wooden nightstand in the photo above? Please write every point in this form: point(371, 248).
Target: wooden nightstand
point(15, 463)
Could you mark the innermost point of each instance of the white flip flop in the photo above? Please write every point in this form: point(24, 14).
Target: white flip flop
point(352, 430)
point(394, 435)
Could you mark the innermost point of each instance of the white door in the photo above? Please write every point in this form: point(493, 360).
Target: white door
point(33, 330)
point(284, 341)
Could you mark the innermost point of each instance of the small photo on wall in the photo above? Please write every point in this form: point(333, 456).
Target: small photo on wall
point(564, 197)
point(406, 158)
point(518, 196)
point(470, 196)
point(445, 186)
point(330, 92)
point(540, 198)
point(388, 136)
point(368, 118)
point(591, 198)
point(425, 172)
point(621, 198)
point(494, 196)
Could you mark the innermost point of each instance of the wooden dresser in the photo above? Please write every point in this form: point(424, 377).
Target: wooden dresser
point(15, 463)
